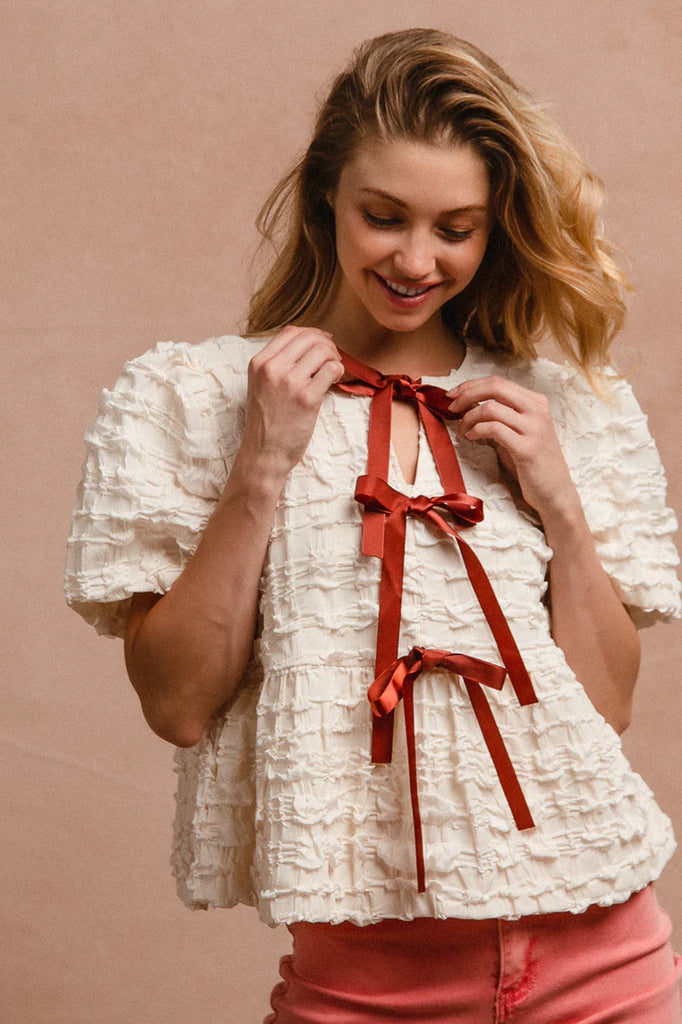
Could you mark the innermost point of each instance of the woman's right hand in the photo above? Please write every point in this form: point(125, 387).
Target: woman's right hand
point(287, 381)
point(187, 651)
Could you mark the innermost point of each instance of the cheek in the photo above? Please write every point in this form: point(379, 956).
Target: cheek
point(470, 261)
point(357, 248)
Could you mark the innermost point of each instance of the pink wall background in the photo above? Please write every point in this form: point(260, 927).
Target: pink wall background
point(142, 137)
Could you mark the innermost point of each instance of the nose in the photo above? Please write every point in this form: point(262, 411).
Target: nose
point(414, 257)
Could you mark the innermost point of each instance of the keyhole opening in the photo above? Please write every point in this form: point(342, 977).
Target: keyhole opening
point(405, 438)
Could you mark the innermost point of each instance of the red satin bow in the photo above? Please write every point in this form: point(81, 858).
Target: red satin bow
point(433, 407)
point(466, 510)
point(365, 380)
point(397, 682)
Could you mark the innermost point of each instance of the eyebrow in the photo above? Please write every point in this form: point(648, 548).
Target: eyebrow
point(472, 208)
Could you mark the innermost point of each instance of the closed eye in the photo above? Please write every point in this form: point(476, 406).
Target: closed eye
point(392, 222)
point(456, 236)
point(381, 222)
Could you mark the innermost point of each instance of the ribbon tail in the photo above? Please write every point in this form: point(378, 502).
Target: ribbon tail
point(388, 629)
point(511, 656)
point(373, 523)
point(500, 758)
point(379, 437)
point(414, 792)
point(382, 739)
point(450, 473)
point(378, 457)
point(443, 450)
point(360, 371)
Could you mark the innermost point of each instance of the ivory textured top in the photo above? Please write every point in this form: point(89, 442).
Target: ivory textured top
point(279, 805)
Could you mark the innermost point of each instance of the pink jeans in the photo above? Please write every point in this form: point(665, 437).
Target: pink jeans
point(610, 965)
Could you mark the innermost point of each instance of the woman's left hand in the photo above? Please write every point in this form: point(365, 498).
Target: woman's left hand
point(588, 621)
point(519, 425)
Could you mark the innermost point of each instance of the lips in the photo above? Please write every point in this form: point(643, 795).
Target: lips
point(404, 292)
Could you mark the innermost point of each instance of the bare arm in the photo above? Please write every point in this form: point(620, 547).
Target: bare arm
point(186, 651)
point(589, 622)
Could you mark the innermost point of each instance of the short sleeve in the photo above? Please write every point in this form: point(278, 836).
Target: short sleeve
point(156, 461)
point(618, 473)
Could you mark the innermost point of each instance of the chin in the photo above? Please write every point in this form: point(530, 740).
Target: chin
point(404, 328)
point(404, 322)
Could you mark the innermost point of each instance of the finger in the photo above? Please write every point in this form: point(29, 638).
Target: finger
point(328, 374)
point(293, 334)
point(293, 364)
point(492, 411)
point(311, 361)
point(496, 433)
point(282, 375)
point(483, 389)
point(278, 341)
point(297, 348)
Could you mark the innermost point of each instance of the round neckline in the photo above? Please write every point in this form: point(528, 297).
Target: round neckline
point(455, 369)
point(428, 377)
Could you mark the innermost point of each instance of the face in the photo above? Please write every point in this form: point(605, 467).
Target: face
point(412, 224)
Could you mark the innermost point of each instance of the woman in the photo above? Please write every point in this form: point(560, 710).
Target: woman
point(398, 708)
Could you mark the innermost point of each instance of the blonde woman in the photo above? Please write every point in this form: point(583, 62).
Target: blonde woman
point(379, 569)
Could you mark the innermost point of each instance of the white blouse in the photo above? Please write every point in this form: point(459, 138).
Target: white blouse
point(279, 805)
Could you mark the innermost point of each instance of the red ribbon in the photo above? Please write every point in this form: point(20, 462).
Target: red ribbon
point(433, 407)
point(384, 528)
point(466, 511)
point(397, 682)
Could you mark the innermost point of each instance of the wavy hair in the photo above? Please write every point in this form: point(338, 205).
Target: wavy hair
point(547, 271)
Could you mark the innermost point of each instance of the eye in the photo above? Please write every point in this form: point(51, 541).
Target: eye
point(381, 222)
point(456, 236)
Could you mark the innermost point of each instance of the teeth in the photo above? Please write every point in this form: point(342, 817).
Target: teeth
point(402, 290)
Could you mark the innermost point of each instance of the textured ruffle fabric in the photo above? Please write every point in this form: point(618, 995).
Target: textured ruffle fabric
point(279, 805)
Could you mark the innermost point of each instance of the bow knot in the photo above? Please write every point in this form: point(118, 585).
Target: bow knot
point(386, 691)
point(365, 380)
point(405, 388)
point(396, 683)
point(378, 496)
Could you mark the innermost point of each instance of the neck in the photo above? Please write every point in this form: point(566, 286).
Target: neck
point(430, 351)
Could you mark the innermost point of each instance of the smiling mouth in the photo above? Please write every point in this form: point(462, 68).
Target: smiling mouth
point(404, 291)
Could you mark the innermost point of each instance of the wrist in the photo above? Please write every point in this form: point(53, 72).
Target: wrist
point(260, 477)
point(565, 523)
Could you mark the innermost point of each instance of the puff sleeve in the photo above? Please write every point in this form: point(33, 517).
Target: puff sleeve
point(156, 462)
point(618, 473)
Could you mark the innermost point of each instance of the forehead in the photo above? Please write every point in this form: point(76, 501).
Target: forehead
point(444, 175)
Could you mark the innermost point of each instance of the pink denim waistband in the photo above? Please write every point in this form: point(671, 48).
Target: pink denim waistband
point(610, 965)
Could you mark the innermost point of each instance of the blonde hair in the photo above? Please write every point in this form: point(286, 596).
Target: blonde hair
point(546, 271)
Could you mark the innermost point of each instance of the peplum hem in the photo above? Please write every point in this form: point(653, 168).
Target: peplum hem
point(261, 829)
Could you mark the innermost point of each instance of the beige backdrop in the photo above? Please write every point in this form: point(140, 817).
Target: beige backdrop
point(142, 136)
